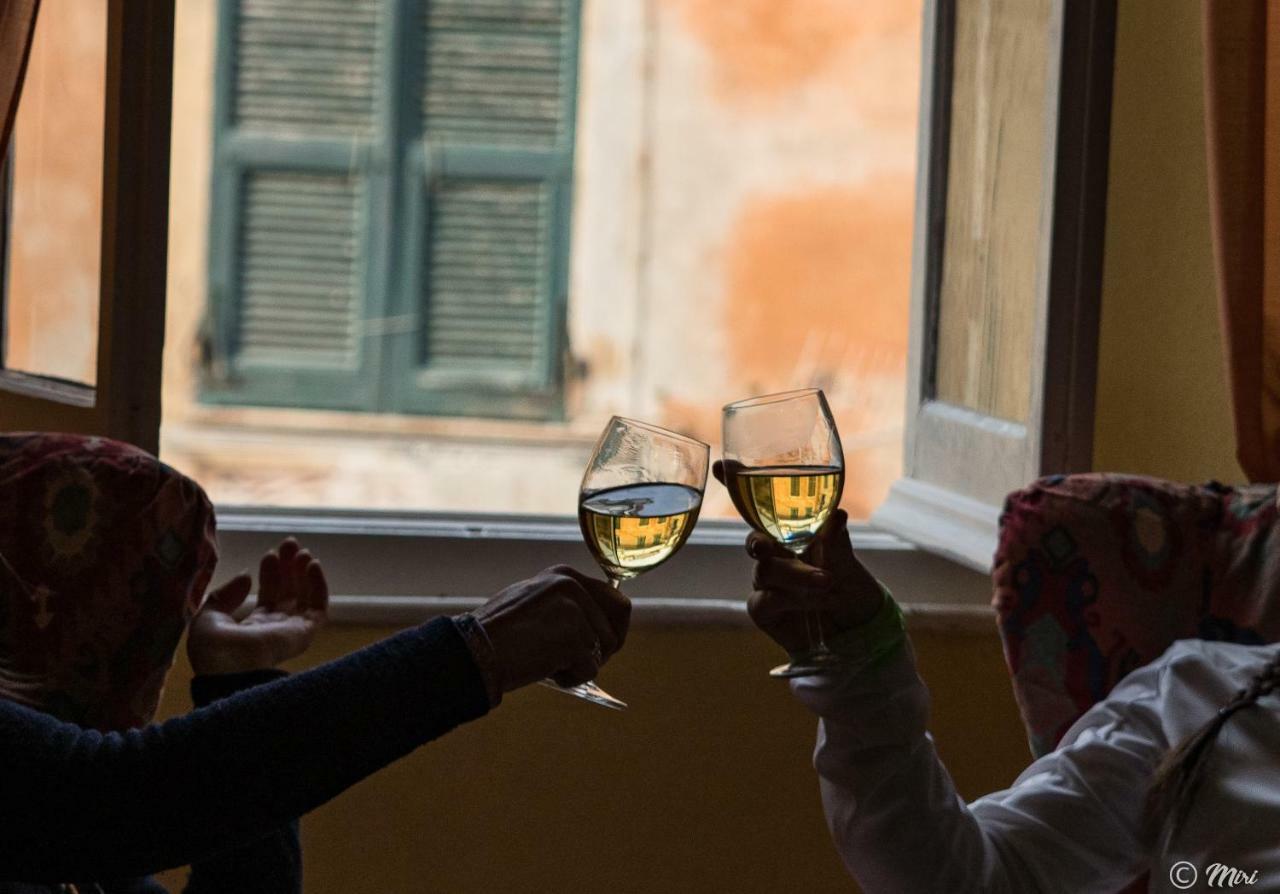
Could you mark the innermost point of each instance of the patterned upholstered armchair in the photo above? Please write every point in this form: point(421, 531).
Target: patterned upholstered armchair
point(1098, 574)
point(105, 553)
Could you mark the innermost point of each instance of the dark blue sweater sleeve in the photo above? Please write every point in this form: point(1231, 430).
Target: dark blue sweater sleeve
point(270, 864)
point(78, 804)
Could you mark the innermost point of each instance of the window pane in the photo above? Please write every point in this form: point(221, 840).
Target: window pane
point(995, 199)
point(55, 211)
point(423, 272)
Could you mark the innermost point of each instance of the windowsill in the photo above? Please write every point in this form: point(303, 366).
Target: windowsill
point(400, 568)
point(201, 422)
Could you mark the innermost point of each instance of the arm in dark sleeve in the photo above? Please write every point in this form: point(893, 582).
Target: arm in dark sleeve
point(77, 804)
point(272, 863)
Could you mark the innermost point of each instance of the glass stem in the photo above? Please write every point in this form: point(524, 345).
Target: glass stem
point(616, 583)
point(822, 639)
point(812, 617)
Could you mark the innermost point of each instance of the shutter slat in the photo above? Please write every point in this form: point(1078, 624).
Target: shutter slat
point(486, 272)
point(494, 73)
point(527, 12)
point(307, 66)
point(299, 269)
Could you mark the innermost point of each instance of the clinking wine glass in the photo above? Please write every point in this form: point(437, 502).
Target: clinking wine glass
point(784, 469)
point(639, 500)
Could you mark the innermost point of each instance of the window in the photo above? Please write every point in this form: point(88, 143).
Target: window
point(54, 201)
point(731, 234)
point(85, 267)
point(547, 213)
point(1015, 141)
point(390, 220)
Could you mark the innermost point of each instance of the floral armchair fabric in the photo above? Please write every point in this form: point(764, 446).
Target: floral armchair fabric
point(1098, 574)
point(105, 553)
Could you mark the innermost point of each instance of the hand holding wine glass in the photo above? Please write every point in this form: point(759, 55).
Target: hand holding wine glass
point(784, 470)
point(560, 623)
point(638, 503)
point(827, 578)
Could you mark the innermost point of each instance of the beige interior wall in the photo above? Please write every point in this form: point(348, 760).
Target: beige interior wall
point(1163, 406)
point(704, 785)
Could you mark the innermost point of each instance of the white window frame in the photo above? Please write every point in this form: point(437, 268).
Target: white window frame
point(959, 464)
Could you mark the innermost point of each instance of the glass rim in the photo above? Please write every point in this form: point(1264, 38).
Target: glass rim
point(658, 429)
point(777, 397)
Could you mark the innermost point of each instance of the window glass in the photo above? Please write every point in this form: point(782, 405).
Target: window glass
point(51, 286)
point(995, 204)
point(420, 252)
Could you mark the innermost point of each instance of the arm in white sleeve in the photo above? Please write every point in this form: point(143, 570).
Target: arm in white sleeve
point(1069, 823)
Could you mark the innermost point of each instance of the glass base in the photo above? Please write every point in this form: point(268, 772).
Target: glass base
point(588, 692)
point(810, 664)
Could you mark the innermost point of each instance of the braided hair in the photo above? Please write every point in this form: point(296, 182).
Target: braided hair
point(1178, 777)
point(16, 686)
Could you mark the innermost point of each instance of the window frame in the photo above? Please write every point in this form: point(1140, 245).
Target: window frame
point(958, 463)
point(932, 539)
point(377, 558)
point(125, 403)
point(6, 201)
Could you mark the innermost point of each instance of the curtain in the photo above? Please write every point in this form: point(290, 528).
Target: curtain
point(1242, 118)
point(17, 25)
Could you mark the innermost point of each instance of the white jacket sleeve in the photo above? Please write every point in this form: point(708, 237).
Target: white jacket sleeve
point(1069, 823)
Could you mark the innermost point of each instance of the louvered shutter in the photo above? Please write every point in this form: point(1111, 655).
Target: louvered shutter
point(293, 268)
point(487, 215)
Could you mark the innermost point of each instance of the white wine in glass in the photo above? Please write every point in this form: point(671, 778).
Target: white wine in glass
point(784, 469)
point(639, 500)
point(788, 503)
point(633, 528)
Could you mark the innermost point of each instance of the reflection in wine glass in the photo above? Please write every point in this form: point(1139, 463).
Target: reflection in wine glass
point(784, 469)
point(638, 503)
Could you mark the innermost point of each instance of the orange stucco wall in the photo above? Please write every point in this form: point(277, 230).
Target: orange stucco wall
point(56, 228)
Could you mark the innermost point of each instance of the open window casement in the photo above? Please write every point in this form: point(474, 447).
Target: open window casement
point(1007, 262)
point(117, 394)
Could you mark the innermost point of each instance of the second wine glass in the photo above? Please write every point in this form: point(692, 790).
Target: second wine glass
point(639, 500)
point(784, 468)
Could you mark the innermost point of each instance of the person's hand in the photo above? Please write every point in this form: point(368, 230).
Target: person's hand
point(826, 578)
point(560, 624)
point(293, 603)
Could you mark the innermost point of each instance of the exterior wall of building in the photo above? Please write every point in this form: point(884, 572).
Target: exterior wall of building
point(745, 177)
point(53, 268)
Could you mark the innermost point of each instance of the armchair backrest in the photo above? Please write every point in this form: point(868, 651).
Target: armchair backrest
point(105, 553)
point(1097, 575)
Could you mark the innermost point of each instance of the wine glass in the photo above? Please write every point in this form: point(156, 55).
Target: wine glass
point(638, 503)
point(784, 470)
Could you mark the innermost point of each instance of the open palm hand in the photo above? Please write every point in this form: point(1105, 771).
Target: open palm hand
point(293, 603)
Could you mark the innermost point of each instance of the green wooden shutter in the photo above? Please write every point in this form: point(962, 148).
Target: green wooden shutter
point(294, 269)
point(486, 233)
